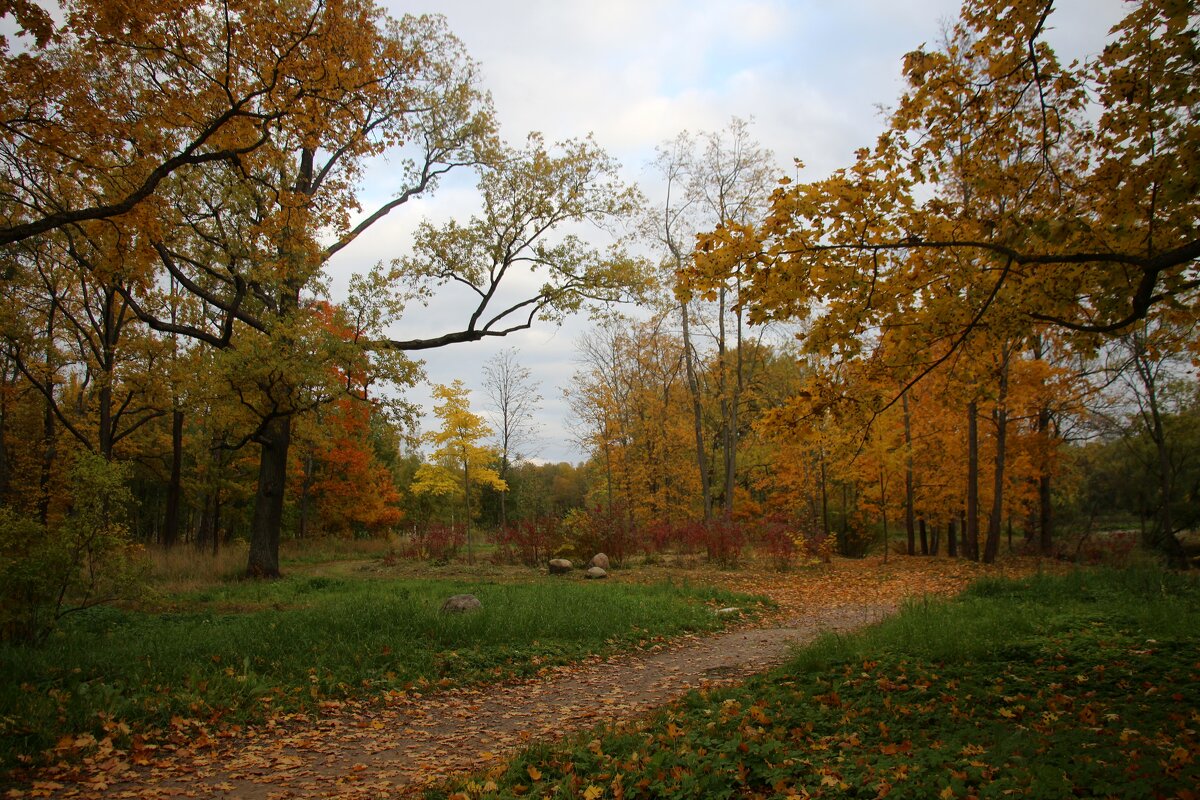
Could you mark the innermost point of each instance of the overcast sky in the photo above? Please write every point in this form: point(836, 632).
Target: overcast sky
point(811, 73)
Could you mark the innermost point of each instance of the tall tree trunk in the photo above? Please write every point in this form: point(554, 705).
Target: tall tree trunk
point(110, 332)
point(951, 539)
point(1045, 520)
point(972, 522)
point(909, 528)
point(48, 431)
point(170, 533)
point(726, 414)
point(504, 494)
point(697, 413)
point(267, 522)
point(924, 537)
point(1045, 516)
point(996, 517)
point(824, 501)
point(883, 511)
point(467, 509)
point(1164, 529)
point(5, 467)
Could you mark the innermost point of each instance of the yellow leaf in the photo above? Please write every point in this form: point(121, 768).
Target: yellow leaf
point(535, 774)
point(592, 792)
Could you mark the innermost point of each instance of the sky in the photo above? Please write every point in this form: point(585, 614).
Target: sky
point(813, 75)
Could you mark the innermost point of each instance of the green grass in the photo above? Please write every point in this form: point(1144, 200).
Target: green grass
point(234, 652)
point(1085, 685)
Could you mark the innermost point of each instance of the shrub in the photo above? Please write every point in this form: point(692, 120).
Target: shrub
point(724, 540)
point(596, 530)
point(434, 542)
point(778, 542)
point(86, 559)
point(528, 542)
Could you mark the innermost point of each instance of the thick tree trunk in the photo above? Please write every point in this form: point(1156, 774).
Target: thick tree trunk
point(972, 523)
point(951, 539)
point(924, 537)
point(267, 521)
point(170, 534)
point(1045, 516)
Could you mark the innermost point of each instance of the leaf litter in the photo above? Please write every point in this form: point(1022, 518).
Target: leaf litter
point(403, 742)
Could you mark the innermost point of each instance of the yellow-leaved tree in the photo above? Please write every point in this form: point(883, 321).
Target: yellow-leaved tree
point(459, 461)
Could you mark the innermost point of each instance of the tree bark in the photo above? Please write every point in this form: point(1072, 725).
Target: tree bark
point(48, 432)
point(972, 522)
point(908, 479)
point(992, 546)
point(697, 413)
point(267, 522)
point(883, 511)
point(170, 534)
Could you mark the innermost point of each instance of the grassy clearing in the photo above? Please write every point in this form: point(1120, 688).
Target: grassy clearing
point(236, 651)
point(1086, 684)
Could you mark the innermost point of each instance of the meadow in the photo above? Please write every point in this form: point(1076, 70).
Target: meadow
point(1078, 685)
point(217, 651)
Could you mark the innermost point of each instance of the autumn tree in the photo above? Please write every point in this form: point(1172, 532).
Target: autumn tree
point(629, 399)
point(104, 103)
point(994, 192)
point(711, 179)
point(459, 460)
point(1152, 373)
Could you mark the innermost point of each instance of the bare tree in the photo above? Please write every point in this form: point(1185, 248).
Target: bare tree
point(514, 402)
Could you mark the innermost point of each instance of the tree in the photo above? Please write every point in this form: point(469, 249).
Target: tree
point(1151, 366)
point(183, 84)
point(514, 400)
point(249, 239)
point(458, 449)
point(724, 176)
point(992, 198)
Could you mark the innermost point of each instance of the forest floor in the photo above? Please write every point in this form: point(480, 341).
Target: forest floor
point(408, 741)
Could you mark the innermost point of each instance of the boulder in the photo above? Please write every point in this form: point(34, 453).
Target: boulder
point(600, 560)
point(560, 566)
point(595, 573)
point(461, 603)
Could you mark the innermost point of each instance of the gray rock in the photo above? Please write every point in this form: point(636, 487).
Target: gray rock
point(560, 566)
point(600, 560)
point(461, 603)
point(728, 612)
point(594, 573)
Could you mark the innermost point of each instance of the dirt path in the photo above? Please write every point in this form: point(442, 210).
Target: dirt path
point(363, 750)
point(416, 741)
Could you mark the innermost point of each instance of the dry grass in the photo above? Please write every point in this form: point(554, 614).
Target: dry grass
point(183, 568)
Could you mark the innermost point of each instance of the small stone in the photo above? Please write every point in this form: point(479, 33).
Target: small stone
point(560, 566)
point(595, 573)
point(724, 612)
point(461, 603)
point(600, 560)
